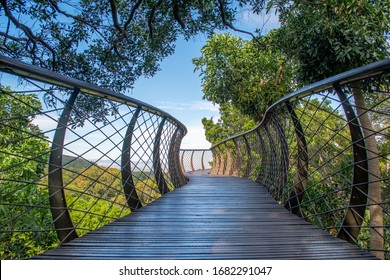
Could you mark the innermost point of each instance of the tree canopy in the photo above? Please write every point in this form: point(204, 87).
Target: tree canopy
point(321, 39)
point(249, 75)
point(231, 122)
point(328, 37)
point(109, 43)
point(24, 153)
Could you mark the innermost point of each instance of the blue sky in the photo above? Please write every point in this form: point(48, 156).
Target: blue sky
point(176, 88)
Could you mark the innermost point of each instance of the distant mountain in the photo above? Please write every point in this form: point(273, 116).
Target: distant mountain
point(74, 163)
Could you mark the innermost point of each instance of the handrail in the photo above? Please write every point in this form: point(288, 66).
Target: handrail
point(195, 159)
point(366, 71)
point(322, 152)
point(75, 156)
point(43, 75)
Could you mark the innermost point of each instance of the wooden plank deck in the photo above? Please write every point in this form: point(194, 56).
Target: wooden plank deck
point(212, 217)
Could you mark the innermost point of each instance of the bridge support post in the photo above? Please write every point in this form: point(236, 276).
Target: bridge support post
point(192, 161)
point(59, 210)
point(127, 177)
point(229, 163)
point(237, 162)
point(175, 172)
point(353, 219)
point(249, 157)
point(202, 160)
point(300, 180)
point(220, 161)
point(282, 157)
point(214, 168)
point(272, 162)
point(158, 172)
point(259, 177)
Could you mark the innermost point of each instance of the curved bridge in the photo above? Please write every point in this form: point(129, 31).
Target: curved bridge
point(83, 169)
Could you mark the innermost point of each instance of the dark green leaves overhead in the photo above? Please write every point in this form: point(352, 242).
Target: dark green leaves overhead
point(243, 73)
point(110, 43)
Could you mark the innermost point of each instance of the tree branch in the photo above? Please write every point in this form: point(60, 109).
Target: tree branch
point(7, 36)
point(150, 22)
point(151, 18)
point(114, 14)
point(132, 13)
point(177, 16)
point(228, 24)
point(28, 32)
point(76, 18)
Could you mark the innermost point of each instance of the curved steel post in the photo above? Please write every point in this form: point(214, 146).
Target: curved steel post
point(220, 161)
point(259, 178)
point(284, 161)
point(127, 176)
point(237, 164)
point(158, 172)
point(192, 161)
point(353, 219)
point(216, 161)
point(59, 210)
point(183, 178)
point(300, 180)
point(249, 159)
point(182, 161)
point(229, 165)
point(173, 159)
point(202, 159)
point(272, 159)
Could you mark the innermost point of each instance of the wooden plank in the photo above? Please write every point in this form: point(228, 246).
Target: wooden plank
point(212, 217)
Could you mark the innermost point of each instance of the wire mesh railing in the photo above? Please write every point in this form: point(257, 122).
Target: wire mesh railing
point(324, 153)
point(74, 157)
point(195, 159)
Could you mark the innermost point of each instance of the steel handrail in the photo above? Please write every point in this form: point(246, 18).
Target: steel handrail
point(359, 73)
point(43, 75)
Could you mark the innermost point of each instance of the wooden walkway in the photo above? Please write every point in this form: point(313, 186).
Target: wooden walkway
point(212, 217)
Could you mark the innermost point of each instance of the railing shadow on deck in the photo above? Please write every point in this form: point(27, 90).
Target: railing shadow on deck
point(74, 157)
point(323, 153)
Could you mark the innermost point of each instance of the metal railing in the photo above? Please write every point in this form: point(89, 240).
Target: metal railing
point(195, 159)
point(323, 153)
point(74, 156)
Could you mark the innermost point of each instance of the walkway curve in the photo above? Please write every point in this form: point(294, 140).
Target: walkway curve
point(212, 217)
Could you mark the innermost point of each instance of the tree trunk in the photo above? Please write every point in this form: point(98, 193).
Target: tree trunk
point(374, 186)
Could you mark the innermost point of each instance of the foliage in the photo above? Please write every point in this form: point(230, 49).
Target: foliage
point(244, 74)
point(231, 122)
point(23, 157)
point(109, 43)
point(73, 163)
point(329, 37)
point(94, 193)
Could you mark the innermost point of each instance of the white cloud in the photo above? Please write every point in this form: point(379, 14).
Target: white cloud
point(195, 138)
point(204, 105)
point(193, 106)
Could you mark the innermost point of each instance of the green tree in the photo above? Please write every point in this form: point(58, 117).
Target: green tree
point(94, 195)
point(249, 75)
point(24, 153)
point(328, 37)
point(109, 43)
point(231, 122)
